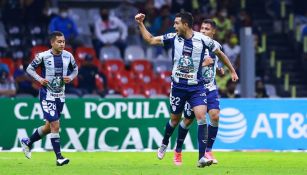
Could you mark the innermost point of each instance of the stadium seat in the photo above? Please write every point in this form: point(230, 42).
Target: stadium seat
point(86, 40)
point(111, 68)
point(78, 14)
point(141, 66)
point(109, 52)
point(36, 29)
point(17, 53)
point(14, 29)
point(15, 41)
point(94, 15)
point(84, 28)
point(37, 49)
point(81, 52)
point(152, 89)
point(130, 89)
point(35, 40)
point(99, 83)
point(162, 65)
point(145, 78)
point(122, 78)
point(134, 52)
point(164, 79)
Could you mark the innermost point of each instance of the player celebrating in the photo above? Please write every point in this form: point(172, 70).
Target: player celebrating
point(55, 64)
point(188, 51)
point(208, 28)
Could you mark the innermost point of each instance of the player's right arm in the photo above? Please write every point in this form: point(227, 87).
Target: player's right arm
point(31, 70)
point(139, 18)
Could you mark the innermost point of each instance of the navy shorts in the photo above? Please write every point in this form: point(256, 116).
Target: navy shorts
point(213, 102)
point(195, 96)
point(52, 109)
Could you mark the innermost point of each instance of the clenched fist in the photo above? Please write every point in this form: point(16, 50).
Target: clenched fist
point(139, 18)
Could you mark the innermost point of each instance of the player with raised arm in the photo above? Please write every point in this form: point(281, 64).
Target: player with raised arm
point(55, 64)
point(188, 51)
point(208, 28)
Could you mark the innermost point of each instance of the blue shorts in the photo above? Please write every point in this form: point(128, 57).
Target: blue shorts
point(213, 102)
point(195, 96)
point(52, 109)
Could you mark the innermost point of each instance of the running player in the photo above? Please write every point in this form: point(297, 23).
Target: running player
point(55, 65)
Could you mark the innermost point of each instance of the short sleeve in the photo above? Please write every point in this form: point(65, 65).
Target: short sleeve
point(73, 62)
point(37, 60)
point(210, 44)
point(168, 39)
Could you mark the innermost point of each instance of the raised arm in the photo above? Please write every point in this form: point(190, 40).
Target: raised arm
point(139, 18)
point(226, 61)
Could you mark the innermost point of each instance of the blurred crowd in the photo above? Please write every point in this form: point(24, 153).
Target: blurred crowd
point(112, 58)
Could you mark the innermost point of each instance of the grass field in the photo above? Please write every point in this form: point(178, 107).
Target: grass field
point(146, 163)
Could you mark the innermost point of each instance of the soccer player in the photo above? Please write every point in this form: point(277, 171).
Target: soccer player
point(188, 51)
point(208, 28)
point(55, 64)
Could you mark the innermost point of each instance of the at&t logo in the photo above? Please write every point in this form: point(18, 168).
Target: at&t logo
point(232, 125)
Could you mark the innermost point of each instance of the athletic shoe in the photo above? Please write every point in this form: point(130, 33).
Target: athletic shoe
point(161, 151)
point(62, 161)
point(177, 158)
point(204, 162)
point(209, 156)
point(26, 148)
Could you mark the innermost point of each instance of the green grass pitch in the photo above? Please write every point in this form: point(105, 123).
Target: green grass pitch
point(146, 163)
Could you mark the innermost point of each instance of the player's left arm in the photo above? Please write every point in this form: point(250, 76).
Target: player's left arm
point(226, 61)
point(74, 73)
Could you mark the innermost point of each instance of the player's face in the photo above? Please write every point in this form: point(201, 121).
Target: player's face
point(207, 30)
point(58, 44)
point(179, 26)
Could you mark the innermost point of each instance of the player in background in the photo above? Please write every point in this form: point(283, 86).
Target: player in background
point(188, 51)
point(208, 28)
point(55, 63)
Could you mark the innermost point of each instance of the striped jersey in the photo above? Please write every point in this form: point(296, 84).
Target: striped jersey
point(187, 57)
point(53, 68)
point(209, 72)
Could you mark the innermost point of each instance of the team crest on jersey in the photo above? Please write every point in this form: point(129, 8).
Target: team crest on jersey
point(186, 64)
point(56, 84)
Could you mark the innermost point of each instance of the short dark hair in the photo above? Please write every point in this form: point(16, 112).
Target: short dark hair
point(211, 22)
point(186, 17)
point(54, 34)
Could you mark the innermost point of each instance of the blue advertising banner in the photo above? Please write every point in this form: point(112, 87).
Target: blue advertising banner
point(277, 124)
